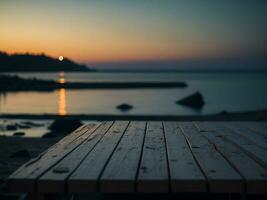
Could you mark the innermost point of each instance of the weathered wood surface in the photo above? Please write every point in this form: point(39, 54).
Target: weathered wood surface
point(185, 174)
point(244, 164)
point(85, 177)
point(221, 176)
point(120, 173)
point(53, 180)
point(248, 146)
point(25, 177)
point(151, 157)
point(244, 131)
point(153, 171)
point(258, 127)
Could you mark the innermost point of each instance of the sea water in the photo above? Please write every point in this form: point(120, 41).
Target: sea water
point(230, 92)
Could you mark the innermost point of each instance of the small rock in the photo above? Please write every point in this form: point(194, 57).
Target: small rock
point(65, 125)
point(11, 127)
point(124, 107)
point(194, 100)
point(21, 154)
point(50, 135)
point(19, 133)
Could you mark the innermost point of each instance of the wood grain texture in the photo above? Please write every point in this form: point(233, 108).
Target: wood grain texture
point(221, 176)
point(257, 127)
point(23, 180)
point(244, 131)
point(151, 157)
point(254, 174)
point(85, 177)
point(185, 174)
point(54, 180)
point(153, 172)
point(249, 147)
point(120, 173)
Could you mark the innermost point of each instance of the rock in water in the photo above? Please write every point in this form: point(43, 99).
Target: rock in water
point(194, 100)
point(11, 127)
point(50, 135)
point(21, 154)
point(19, 133)
point(124, 107)
point(65, 125)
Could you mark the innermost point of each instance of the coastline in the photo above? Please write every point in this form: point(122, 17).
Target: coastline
point(16, 83)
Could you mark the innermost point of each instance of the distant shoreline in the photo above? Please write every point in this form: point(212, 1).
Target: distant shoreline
point(37, 62)
point(15, 83)
point(256, 115)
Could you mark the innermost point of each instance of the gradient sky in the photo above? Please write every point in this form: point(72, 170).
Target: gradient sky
point(136, 31)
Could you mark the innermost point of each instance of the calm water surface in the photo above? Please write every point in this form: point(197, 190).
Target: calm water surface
point(221, 91)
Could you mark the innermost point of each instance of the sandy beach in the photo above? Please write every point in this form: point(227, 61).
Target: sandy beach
point(9, 162)
point(12, 145)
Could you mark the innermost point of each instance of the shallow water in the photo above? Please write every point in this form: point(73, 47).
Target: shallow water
point(221, 91)
point(32, 131)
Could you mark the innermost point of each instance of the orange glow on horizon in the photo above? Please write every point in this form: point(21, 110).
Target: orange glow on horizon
point(102, 32)
point(107, 57)
point(106, 47)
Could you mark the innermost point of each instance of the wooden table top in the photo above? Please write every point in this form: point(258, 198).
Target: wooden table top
point(151, 157)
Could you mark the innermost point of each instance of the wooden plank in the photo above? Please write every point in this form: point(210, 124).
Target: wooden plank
point(258, 127)
point(254, 173)
point(85, 177)
point(153, 172)
point(185, 174)
point(23, 180)
point(54, 180)
point(120, 173)
point(221, 176)
point(254, 151)
point(243, 131)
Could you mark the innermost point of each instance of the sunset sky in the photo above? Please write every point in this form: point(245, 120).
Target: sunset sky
point(138, 31)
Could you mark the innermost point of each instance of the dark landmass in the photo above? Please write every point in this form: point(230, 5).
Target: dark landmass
point(37, 63)
point(256, 115)
point(15, 83)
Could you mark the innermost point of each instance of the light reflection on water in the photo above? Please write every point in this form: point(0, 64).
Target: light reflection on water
point(61, 78)
point(62, 106)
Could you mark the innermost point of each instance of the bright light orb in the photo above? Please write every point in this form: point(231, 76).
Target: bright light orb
point(60, 58)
